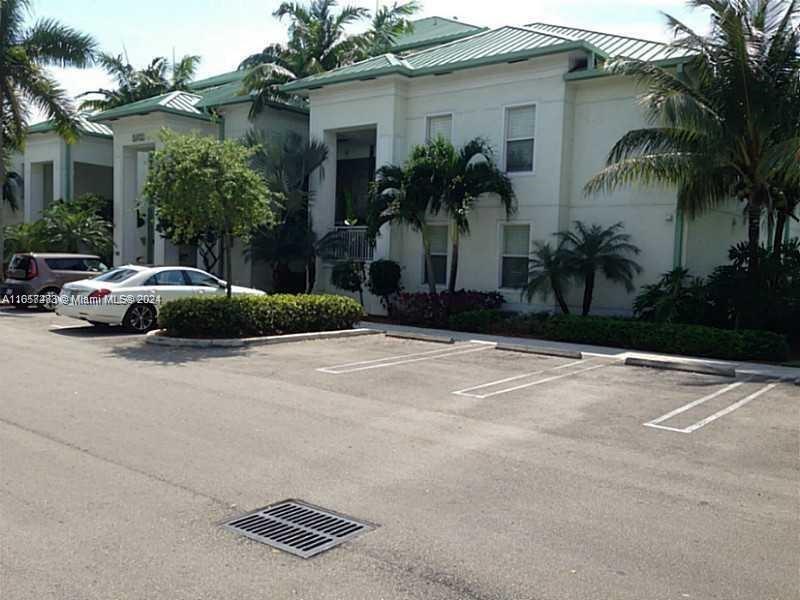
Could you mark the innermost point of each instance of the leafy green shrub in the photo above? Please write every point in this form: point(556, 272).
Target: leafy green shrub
point(384, 280)
point(251, 316)
point(348, 275)
point(695, 340)
point(499, 322)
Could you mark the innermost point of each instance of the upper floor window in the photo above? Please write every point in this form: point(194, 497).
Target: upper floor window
point(440, 126)
point(520, 127)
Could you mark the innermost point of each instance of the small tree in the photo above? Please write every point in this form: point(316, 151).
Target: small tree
point(548, 273)
point(199, 185)
point(384, 281)
point(349, 276)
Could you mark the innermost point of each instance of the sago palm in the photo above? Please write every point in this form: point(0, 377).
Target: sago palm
point(548, 274)
point(25, 53)
point(588, 250)
point(717, 127)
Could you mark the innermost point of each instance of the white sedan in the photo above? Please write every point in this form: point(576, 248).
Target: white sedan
point(131, 295)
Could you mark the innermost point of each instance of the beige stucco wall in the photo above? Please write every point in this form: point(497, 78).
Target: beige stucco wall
point(577, 123)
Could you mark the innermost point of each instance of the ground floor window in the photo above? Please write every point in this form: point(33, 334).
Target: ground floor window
point(515, 246)
point(438, 237)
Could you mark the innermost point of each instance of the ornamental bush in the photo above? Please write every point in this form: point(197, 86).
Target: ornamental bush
point(434, 309)
point(252, 316)
point(693, 340)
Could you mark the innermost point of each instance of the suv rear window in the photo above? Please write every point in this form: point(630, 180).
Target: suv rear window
point(19, 262)
point(76, 264)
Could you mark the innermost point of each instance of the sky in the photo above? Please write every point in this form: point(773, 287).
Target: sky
point(223, 32)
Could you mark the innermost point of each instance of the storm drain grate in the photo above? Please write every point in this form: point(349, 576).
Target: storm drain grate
point(297, 527)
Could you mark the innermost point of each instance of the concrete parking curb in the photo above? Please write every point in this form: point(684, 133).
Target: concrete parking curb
point(407, 335)
point(689, 367)
point(539, 350)
point(158, 338)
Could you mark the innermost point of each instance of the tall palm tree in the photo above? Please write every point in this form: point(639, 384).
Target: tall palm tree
point(402, 195)
point(25, 53)
point(286, 166)
point(387, 25)
point(317, 43)
point(158, 77)
point(548, 274)
point(588, 250)
point(717, 127)
point(461, 178)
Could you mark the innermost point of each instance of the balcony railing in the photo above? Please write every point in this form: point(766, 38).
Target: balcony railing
point(349, 243)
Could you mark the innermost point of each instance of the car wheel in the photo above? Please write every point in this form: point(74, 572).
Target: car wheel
point(50, 299)
point(140, 318)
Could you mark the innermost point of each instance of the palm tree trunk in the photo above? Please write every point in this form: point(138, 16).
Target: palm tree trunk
point(559, 294)
point(780, 229)
point(588, 292)
point(426, 248)
point(754, 232)
point(451, 286)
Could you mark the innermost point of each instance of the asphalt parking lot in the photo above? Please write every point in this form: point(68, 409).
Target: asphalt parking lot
point(490, 474)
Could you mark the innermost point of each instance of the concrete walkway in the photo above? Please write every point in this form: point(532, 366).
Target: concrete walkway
point(742, 368)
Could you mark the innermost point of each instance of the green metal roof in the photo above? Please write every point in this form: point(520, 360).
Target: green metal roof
point(85, 127)
point(217, 80)
point(432, 31)
point(177, 103)
point(616, 46)
point(506, 44)
point(230, 93)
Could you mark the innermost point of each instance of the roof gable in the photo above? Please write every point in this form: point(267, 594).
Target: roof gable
point(178, 103)
point(85, 127)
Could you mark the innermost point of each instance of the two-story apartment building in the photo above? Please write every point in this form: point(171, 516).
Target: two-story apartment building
point(539, 93)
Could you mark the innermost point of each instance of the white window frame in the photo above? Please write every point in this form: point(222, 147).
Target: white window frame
point(430, 116)
point(505, 140)
point(446, 254)
point(500, 251)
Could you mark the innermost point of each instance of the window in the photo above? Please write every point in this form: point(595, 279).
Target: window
point(93, 265)
point(516, 251)
point(439, 127)
point(116, 275)
point(520, 125)
point(204, 279)
point(173, 277)
point(438, 235)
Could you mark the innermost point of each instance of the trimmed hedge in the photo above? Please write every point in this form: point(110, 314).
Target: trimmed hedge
point(432, 310)
point(693, 340)
point(253, 316)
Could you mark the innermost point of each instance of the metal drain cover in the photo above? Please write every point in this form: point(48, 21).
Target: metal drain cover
point(297, 527)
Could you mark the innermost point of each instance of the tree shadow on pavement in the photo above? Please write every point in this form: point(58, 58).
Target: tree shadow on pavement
point(162, 355)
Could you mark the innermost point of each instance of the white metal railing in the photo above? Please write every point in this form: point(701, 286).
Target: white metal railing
point(352, 243)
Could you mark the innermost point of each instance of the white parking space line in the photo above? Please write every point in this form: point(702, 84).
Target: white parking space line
point(469, 391)
point(403, 359)
point(656, 423)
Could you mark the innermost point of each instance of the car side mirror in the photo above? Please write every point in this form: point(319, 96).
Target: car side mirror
point(222, 284)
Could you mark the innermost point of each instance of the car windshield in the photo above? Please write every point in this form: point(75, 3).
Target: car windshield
point(116, 275)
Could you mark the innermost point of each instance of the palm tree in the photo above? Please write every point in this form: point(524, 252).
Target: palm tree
point(548, 273)
point(591, 249)
point(317, 43)
point(286, 166)
point(25, 53)
point(403, 195)
point(717, 127)
point(158, 77)
point(462, 178)
point(388, 23)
